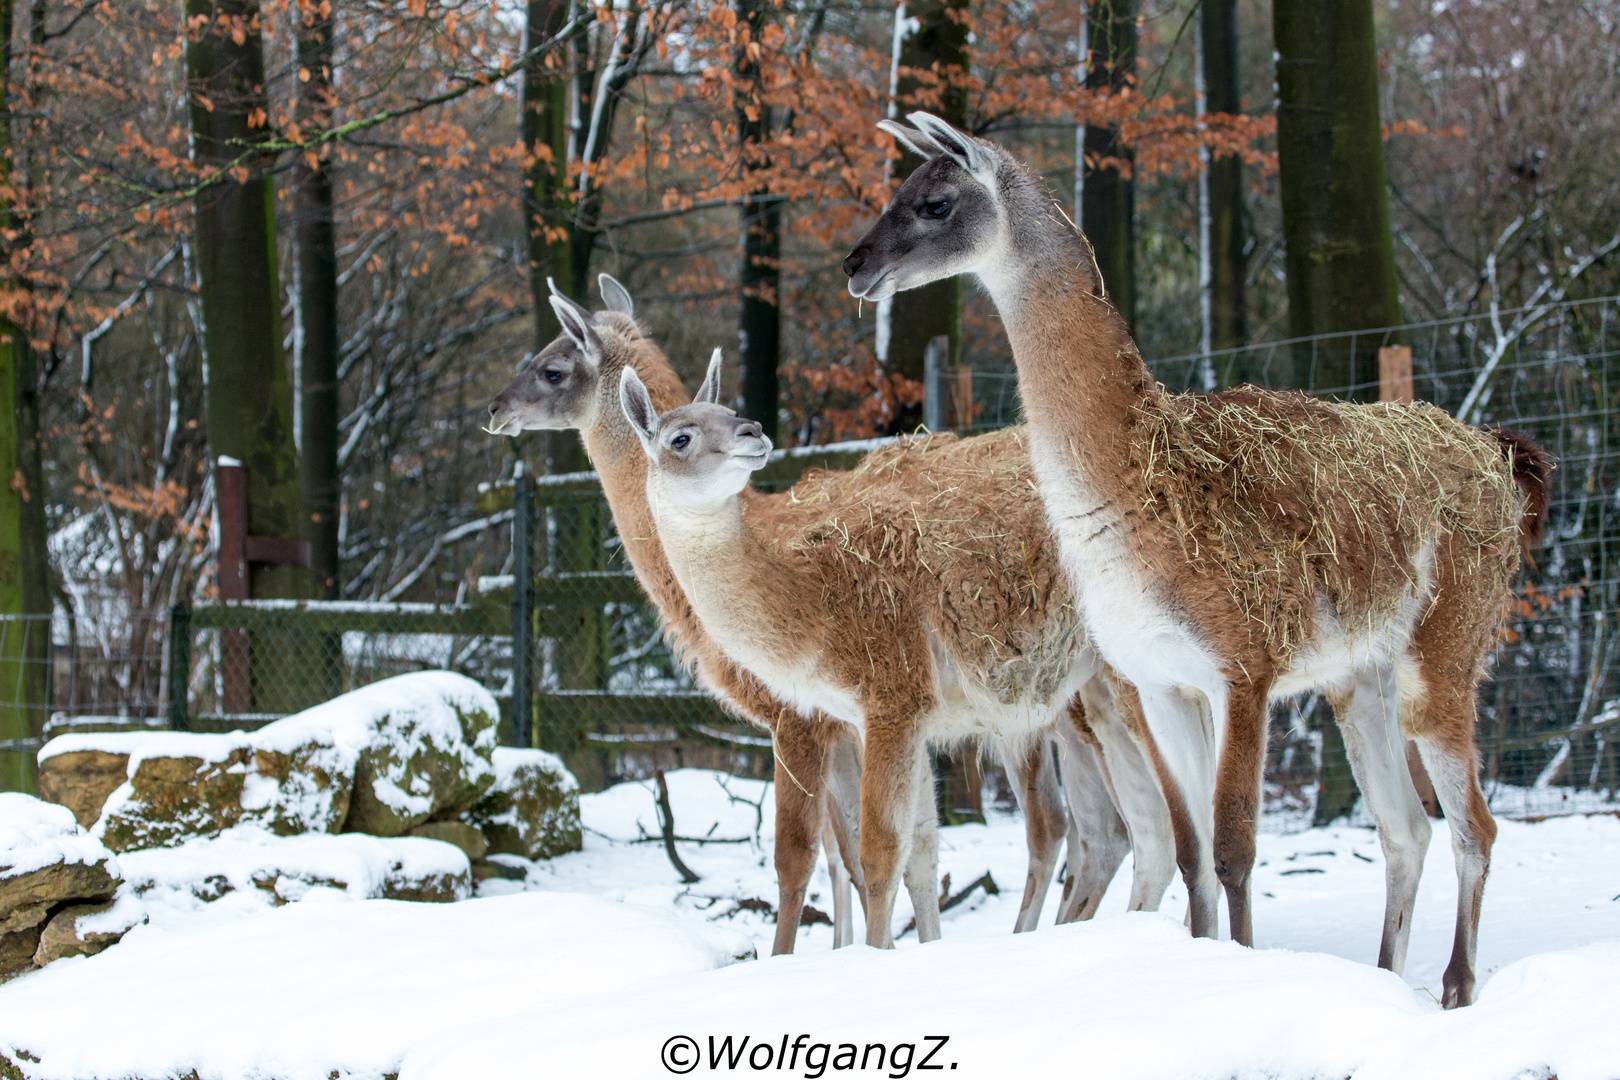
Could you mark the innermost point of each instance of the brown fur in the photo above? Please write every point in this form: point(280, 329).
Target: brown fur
point(1243, 511)
point(928, 563)
point(946, 528)
point(1532, 471)
point(804, 745)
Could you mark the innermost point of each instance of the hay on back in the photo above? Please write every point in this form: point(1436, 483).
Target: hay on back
point(1292, 498)
point(953, 530)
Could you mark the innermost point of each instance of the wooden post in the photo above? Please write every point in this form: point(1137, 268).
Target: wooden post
point(236, 551)
point(1395, 384)
point(1395, 373)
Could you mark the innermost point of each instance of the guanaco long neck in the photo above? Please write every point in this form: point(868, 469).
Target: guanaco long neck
point(744, 593)
point(621, 465)
point(1079, 372)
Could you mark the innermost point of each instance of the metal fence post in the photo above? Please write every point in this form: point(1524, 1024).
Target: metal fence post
point(522, 609)
point(179, 667)
point(935, 357)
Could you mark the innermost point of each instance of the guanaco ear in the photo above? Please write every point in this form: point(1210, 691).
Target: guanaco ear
point(576, 323)
point(959, 146)
point(638, 409)
point(915, 141)
point(710, 390)
point(615, 296)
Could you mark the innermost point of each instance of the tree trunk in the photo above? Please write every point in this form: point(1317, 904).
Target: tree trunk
point(1221, 201)
point(544, 117)
point(759, 330)
point(1108, 196)
point(317, 308)
point(249, 395)
point(920, 315)
point(1340, 258)
point(25, 602)
point(315, 240)
point(546, 203)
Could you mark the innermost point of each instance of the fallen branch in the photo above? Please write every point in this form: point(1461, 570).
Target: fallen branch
point(666, 822)
point(985, 881)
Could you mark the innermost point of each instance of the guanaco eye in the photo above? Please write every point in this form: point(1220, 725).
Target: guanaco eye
point(553, 376)
point(680, 442)
point(937, 209)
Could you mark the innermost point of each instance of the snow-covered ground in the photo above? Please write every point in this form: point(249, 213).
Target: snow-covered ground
point(1553, 884)
point(526, 982)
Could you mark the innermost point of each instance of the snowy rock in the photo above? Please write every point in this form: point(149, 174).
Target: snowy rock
point(47, 863)
point(86, 929)
point(379, 760)
point(178, 785)
point(459, 833)
point(533, 808)
point(436, 736)
point(81, 780)
point(257, 867)
point(46, 858)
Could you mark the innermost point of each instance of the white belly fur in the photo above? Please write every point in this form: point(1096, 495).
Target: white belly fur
point(1152, 646)
point(1129, 624)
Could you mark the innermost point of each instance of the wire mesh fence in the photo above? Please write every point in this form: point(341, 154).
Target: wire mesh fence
point(577, 659)
point(1549, 727)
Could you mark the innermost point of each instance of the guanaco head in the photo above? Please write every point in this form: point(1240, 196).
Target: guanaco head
point(946, 219)
point(703, 453)
point(558, 387)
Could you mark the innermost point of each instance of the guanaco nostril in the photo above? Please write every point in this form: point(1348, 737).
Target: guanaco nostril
point(853, 263)
point(751, 428)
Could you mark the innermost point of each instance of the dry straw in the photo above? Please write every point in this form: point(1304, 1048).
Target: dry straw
point(1292, 499)
point(952, 531)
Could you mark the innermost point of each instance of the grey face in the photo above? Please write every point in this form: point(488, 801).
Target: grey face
point(944, 220)
point(702, 453)
point(552, 391)
point(558, 388)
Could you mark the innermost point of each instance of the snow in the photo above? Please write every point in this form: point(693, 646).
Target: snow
point(411, 711)
point(140, 745)
point(313, 988)
point(1130, 996)
point(127, 911)
point(509, 759)
point(255, 869)
point(590, 965)
point(36, 834)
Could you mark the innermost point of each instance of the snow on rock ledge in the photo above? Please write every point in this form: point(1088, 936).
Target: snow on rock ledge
point(378, 760)
point(532, 809)
point(49, 869)
point(272, 870)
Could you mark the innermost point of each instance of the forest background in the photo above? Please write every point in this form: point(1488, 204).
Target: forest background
point(315, 235)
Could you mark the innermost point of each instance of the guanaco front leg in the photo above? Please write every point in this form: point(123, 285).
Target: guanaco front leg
point(799, 815)
point(892, 786)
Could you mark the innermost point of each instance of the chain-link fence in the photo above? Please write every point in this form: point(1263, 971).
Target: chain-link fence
point(1549, 730)
point(578, 661)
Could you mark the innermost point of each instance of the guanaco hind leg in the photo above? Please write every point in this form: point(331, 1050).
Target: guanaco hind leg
point(1045, 821)
point(1098, 838)
point(1369, 716)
